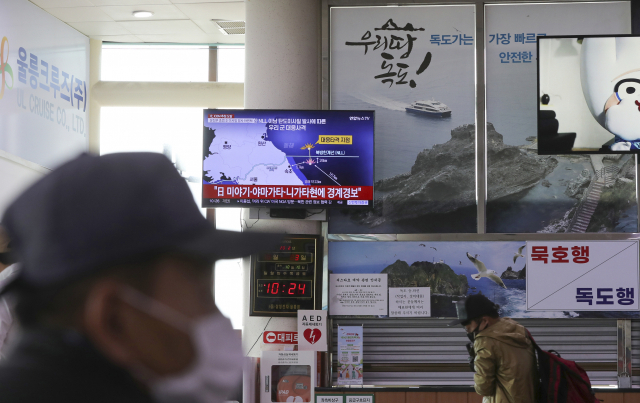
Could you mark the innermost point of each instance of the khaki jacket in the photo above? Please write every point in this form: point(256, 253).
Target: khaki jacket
point(505, 363)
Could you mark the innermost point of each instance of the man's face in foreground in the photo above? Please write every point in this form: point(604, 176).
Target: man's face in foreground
point(135, 339)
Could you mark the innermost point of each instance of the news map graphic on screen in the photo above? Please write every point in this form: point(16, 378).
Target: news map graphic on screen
point(321, 158)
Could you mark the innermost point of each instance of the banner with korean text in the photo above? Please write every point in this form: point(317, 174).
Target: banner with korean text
point(585, 276)
point(44, 73)
point(350, 355)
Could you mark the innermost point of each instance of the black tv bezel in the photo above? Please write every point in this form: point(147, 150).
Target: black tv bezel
point(298, 206)
point(577, 37)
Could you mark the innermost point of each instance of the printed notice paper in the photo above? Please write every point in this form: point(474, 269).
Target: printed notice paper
point(358, 294)
point(409, 302)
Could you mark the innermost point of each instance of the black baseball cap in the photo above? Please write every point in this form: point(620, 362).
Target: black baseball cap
point(97, 211)
point(473, 307)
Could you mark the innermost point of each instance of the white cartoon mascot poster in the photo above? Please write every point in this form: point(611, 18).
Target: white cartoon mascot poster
point(610, 76)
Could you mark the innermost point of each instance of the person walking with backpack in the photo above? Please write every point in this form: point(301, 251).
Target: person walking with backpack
point(501, 354)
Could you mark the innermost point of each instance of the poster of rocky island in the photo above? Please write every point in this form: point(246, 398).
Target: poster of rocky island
point(566, 194)
point(453, 270)
point(415, 66)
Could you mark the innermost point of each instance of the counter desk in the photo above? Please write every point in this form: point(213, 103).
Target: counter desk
point(457, 394)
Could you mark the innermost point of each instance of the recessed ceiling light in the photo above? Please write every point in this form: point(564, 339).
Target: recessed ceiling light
point(142, 14)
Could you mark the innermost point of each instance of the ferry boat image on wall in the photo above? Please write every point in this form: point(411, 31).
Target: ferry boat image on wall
point(431, 108)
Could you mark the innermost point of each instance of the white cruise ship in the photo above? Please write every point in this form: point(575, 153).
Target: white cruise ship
point(432, 108)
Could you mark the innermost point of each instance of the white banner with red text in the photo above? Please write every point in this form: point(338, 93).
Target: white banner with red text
point(582, 276)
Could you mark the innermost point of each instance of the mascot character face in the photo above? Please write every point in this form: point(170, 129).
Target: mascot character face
point(622, 112)
point(610, 76)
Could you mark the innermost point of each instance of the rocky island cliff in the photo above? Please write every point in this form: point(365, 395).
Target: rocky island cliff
point(511, 274)
point(438, 276)
point(443, 178)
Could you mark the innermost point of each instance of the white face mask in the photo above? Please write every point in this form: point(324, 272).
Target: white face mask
point(217, 370)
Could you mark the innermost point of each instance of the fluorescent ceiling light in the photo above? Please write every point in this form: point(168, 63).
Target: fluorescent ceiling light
point(142, 14)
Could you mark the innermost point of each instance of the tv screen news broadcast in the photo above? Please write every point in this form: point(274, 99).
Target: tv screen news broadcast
point(288, 158)
point(588, 94)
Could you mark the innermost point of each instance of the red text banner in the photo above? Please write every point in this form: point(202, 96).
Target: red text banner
point(288, 192)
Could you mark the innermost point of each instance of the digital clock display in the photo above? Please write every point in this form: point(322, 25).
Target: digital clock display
point(285, 288)
point(287, 278)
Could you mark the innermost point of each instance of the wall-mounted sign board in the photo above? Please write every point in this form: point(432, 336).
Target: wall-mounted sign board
point(44, 84)
point(329, 398)
point(584, 276)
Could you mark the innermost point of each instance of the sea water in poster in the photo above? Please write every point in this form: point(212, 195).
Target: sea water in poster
point(544, 193)
point(415, 66)
point(453, 270)
point(350, 355)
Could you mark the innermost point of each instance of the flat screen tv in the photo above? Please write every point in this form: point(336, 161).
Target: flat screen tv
point(588, 94)
point(305, 159)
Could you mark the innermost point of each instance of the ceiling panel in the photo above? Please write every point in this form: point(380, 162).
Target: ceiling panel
point(128, 2)
point(178, 27)
point(209, 27)
point(178, 38)
point(62, 3)
point(118, 38)
point(79, 14)
point(222, 11)
point(180, 21)
point(160, 12)
point(205, 1)
point(216, 36)
point(100, 28)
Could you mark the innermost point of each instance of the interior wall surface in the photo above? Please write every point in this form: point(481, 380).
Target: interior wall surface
point(282, 54)
point(282, 72)
point(16, 177)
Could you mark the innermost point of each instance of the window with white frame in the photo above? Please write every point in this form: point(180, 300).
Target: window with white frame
point(173, 131)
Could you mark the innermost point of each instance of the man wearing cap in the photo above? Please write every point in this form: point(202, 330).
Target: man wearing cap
point(115, 290)
point(503, 356)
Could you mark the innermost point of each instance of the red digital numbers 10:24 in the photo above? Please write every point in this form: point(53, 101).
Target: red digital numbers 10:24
point(294, 288)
